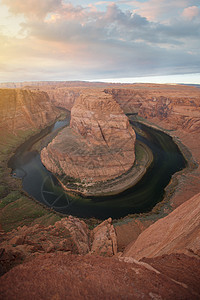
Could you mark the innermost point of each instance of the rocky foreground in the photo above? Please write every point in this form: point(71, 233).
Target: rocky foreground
point(63, 276)
point(69, 261)
point(98, 146)
point(179, 232)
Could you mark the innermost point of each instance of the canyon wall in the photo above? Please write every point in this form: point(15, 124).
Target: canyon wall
point(63, 97)
point(98, 146)
point(22, 110)
point(178, 106)
point(163, 263)
point(179, 232)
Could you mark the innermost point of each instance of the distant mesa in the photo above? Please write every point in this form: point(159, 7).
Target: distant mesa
point(98, 146)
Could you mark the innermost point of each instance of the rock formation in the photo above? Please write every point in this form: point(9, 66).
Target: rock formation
point(177, 105)
point(63, 97)
point(169, 270)
point(65, 276)
point(69, 235)
point(163, 263)
point(179, 232)
point(22, 110)
point(98, 146)
point(104, 239)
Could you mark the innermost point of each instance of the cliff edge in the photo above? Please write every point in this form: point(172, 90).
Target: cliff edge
point(179, 232)
point(22, 110)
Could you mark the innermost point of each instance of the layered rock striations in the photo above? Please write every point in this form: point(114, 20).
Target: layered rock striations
point(179, 232)
point(98, 146)
point(63, 97)
point(25, 110)
point(162, 264)
point(177, 105)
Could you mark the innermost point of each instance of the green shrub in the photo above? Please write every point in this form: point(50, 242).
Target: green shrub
point(13, 196)
point(2, 190)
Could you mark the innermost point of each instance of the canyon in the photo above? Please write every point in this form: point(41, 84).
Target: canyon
point(152, 256)
point(172, 108)
point(176, 105)
point(23, 113)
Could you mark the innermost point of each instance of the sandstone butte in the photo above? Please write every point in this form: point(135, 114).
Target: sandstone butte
point(98, 146)
point(22, 110)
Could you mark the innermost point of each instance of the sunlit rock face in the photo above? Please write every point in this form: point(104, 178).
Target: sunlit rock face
point(179, 232)
point(25, 110)
point(99, 144)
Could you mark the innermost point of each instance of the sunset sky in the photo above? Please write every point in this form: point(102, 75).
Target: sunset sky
point(142, 40)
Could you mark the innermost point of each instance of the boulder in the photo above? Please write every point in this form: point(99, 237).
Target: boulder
point(104, 239)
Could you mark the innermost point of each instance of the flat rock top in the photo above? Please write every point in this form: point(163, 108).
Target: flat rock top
point(97, 101)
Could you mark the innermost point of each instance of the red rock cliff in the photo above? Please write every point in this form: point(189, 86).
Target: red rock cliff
point(23, 110)
point(63, 97)
point(177, 105)
point(179, 232)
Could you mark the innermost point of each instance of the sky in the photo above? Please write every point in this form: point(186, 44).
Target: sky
point(118, 41)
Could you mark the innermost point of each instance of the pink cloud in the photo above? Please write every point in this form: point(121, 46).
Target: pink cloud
point(30, 8)
point(191, 12)
point(67, 41)
point(157, 10)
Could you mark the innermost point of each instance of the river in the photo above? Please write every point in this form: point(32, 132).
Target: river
point(43, 186)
